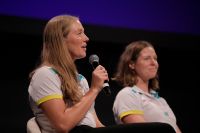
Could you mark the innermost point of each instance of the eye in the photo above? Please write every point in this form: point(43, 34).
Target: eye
point(146, 58)
point(80, 32)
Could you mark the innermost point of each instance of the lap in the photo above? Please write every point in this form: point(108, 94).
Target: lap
point(154, 127)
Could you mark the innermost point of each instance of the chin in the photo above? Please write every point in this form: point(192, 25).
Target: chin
point(82, 56)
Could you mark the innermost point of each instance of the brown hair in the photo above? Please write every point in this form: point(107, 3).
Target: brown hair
point(126, 76)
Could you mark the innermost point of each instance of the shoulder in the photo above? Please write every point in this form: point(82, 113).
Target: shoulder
point(83, 82)
point(44, 75)
point(44, 71)
point(128, 95)
point(124, 95)
point(80, 77)
point(127, 100)
point(128, 92)
point(45, 84)
point(124, 91)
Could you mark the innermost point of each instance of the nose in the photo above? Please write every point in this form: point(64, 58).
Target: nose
point(86, 38)
point(154, 61)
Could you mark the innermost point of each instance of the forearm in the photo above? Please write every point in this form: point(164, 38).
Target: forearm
point(98, 122)
point(64, 118)
point(178, 130)
point(133, 119)
point(73, 115)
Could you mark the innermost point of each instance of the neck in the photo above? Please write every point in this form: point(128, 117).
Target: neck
point(144, 85)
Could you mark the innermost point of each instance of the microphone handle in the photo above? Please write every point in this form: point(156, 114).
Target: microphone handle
point(95, 64)
point(106, 88)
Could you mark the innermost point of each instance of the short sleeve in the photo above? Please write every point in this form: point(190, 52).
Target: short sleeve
point(127, 102)
point(45, 85)
point(83, 83)
point(84, 86)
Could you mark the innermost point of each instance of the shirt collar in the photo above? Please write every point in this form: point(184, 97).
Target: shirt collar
point(152, 93)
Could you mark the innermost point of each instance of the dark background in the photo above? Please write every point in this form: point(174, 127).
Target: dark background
point(178, 56)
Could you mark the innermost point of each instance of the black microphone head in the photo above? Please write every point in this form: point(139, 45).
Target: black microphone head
point(93, 58)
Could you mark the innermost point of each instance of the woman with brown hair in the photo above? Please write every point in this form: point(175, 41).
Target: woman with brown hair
point(138, 101)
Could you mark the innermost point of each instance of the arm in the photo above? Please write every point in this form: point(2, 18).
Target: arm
point(133, 119)
point(98, 122)
point(64, 118)
point(178, 130)
point(127, 106)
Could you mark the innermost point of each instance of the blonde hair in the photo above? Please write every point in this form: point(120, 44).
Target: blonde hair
point(56, 54)
point(126, 76)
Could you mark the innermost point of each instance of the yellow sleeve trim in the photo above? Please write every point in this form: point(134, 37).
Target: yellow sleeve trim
point(132, 112)
point(55, 96)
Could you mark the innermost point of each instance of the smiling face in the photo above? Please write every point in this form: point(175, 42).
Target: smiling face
point(146, 65)
point(76, 41)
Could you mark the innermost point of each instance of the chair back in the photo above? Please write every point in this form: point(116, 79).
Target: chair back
point(32, 126)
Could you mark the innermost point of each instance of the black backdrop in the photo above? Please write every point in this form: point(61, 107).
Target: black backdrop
point(20, 45)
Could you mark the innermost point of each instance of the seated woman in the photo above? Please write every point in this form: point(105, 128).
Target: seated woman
point(60, 97)
point(138, 101)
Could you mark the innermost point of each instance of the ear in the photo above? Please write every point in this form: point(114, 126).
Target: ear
point(132, 66)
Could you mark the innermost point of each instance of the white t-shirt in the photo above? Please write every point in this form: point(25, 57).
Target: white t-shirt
point(46, 85)
point(133, 100)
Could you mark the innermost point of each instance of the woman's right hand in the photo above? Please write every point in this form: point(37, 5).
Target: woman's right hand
point(99, 75)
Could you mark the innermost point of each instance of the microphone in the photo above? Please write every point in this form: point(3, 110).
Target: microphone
point(94, 61)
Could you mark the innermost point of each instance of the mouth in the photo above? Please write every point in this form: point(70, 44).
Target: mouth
point(153, 69)
point(84, 46)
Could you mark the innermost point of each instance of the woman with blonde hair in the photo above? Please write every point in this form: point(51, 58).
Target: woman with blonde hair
point(60, 97)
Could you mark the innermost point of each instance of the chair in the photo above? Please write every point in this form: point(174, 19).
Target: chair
point(152, 127)
point(32, 126)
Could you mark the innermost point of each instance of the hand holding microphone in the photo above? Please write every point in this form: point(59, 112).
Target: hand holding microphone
point(94, 61)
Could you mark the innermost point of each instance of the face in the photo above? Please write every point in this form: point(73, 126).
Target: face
point(77, 41)
point(146, 65)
